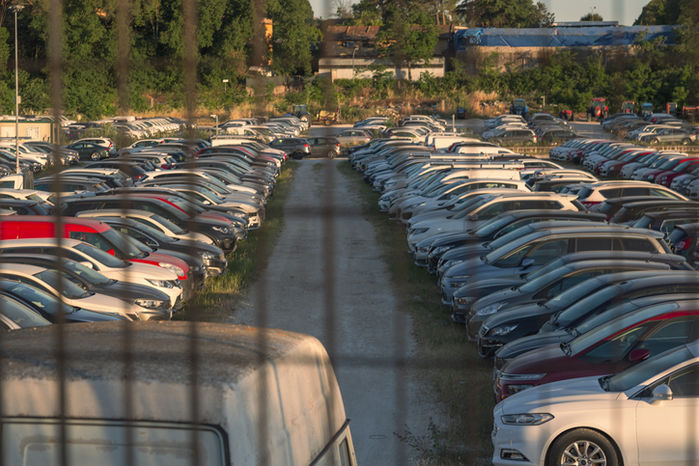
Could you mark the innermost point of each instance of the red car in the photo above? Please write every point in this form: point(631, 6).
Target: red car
point(94, 232)
point(665, 167)
point(666, 178)
point(608, 349)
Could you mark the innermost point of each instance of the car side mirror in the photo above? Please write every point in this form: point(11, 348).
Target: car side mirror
point(87, 264)
point(527, 261)
point(662, 393)
point(638, 355)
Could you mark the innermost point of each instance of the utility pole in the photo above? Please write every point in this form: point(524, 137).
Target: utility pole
point(16, 8)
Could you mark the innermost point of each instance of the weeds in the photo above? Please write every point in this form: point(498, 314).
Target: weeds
point(460, 380)
point(220, 294)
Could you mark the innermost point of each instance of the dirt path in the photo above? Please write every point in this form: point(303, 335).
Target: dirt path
point(365, 333)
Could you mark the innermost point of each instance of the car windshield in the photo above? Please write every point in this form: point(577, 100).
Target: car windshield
point(91, 276)
point(101, 256)
point(493, 225)
point(118, 241)
point(584, 306)
point(137, 244)
point(509, 237)
point(466, 206)
point(502, 251)
point(41, 300)
point(20, 314)
point(70, 288)
point(573, 294)
point(645, 370)
point(536, 284)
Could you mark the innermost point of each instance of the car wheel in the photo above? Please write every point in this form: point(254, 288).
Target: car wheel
point(582, 447)
point(331, 154)
point(95, 156)
point(655, 141)
point(685, 141)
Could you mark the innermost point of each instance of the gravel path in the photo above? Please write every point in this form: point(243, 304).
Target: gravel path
point(365, 332)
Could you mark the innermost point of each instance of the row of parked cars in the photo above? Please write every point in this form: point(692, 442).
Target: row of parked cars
point(537, 128)
point(584, 292)
point(655, 128)
point(138, 233)
point(613, 159)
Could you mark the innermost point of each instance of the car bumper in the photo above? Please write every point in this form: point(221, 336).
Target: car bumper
point(525, 443)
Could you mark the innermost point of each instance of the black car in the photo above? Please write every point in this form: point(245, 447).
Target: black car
point(212, 256)
point(89, 150)
point(25, 206)
point(584, 300)
point(219, 231)
point(296, 148)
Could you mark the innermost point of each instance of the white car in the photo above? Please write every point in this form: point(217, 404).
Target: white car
point(645, 415)
point(111, 267)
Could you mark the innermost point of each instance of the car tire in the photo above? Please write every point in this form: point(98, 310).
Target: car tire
point(655, 141)
point(94, 156)
point(331, 154)
point(685, 141)
point(582, 444)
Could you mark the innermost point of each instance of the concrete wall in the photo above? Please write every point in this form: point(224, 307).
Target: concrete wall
point(349, 68)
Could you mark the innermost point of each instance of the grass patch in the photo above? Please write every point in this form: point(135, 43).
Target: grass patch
point(220, 294)
point(460, 379)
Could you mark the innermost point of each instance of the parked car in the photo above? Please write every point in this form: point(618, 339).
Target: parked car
point(642, 415)
point(297, 148)
point(608, 349)
point(325, 147)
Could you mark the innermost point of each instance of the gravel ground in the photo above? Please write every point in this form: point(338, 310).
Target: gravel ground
point(336, 287)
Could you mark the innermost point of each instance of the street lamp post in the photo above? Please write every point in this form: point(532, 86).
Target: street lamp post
point(16, 8)
point(225, 85)
point(216, 118)
point(356, 47)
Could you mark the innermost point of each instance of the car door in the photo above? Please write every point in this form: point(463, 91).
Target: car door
point(666, 431)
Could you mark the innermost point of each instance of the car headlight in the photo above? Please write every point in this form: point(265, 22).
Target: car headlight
point(172, 267)
point(526, 419)
point(491, 309)
point(223, 230)
point(498, 331)
point(160, 283)
point(464, 300)
point(207, 256)
point(150, 303)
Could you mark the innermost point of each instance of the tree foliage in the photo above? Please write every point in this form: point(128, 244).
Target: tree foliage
point(592, 17)
point(225, 31)
point(504, 13)
point(408, 35)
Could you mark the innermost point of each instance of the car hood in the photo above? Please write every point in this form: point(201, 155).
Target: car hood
point(528, 343)
point(572, 395)
point(128, 291)
point(513, 314)
point(501, 296)
point(476, 288)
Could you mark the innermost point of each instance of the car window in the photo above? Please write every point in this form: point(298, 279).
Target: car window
point(685, 382)
point(616, 348)
point(593, 244)
point(611, 193)
point(669, 334)
point(547, 251)
point(635, 244)
point(566, 283)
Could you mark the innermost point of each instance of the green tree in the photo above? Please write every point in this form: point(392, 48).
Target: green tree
point(504, 13)
point(592, 17)
point(408, 36)
point(296, 35)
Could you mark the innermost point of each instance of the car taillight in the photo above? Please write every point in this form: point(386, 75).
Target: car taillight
point(306, 146)
point(684, 244)
point(338, 144)
point(165, 166)
point(589, 203)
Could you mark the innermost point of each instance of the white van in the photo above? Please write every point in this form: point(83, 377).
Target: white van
point(262, 397)
point(437, 141)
